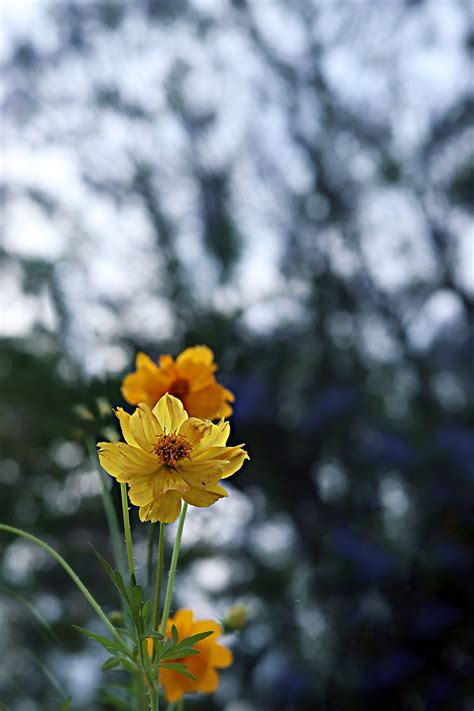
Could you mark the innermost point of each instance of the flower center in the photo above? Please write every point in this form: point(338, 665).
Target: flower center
point(171, 448)
point(179, 388)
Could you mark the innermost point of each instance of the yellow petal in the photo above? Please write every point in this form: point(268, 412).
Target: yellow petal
point(207, 626)
point(165, 509)
point(202, 434)
point(220, 656)
point(124, 462)
point(146, 384)
point(209, 682)
point(202, 473)
point(231, 458)
point(168, 480)
point(204, 497)
point(183, 620)
point(202, 354)
point(170, 413)
point(124, 419)
point(144, 427)
point(206, 399)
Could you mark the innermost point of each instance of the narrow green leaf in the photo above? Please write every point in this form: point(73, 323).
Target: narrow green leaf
point(105, 642)
point(37, 615)
point(180, 668)
point(146, 609)
point(114, 699)
point(114, 575)
point(111, 663)
point(154, 634)
point(194, 639)
point(136, 597)
point(178, 653)
point(66, 704)
point(174, 634)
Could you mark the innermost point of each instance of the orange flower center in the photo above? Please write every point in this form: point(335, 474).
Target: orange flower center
point(171, 448)
point(179, 388)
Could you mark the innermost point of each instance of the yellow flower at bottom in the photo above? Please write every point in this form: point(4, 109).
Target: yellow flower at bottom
point(168, 456)
point(190, 378)
point(203, 666)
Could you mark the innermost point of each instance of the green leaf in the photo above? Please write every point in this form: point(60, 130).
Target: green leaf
point(194, 639)
point(136, 597)
point(111, 663)
point(176, 653)
point(180, 668)
point(113, 699)
point(114, 575)
point(108, 644)
point(37, 615)
point(146, 609)
point(155, 635)
point(66, 704)
point(174, 634)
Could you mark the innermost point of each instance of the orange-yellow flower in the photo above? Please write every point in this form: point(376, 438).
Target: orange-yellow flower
point(203, 666)
point(190, 378)
point(168, 456)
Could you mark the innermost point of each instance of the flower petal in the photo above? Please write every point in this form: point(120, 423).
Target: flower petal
point(124, 462)
point(202, 434)
point(183, 620)
point(208, 401)
point(144, 427)
point(170, 413)
point(146, 384)
point(231, 458)
point(140, 490)
point(220, 656)
point(204, 497)
point(124, 419)
point(201, 354)
point(166, 509)
point(203, 473)
point(168, 480)
point(209, 682)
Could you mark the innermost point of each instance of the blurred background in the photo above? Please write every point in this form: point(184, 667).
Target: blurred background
point(290, 183)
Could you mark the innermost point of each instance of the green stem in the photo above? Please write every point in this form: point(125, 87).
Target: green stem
point(128, 532)
point(109, 509)
point(75, 578)
point(172, 573)
point(159, 577)
point(180, 704)
point(153, 700)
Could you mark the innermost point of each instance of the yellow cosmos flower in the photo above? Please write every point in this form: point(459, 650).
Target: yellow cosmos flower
point(168, 456)
point(190, 378)
point(212, 656)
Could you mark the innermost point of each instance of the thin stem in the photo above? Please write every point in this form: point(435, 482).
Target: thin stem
point(180, 704)
point(75, 578)
point(128, 532)
point(159, 577)
point(172, 572)
point(109, 509)
point(153, 700)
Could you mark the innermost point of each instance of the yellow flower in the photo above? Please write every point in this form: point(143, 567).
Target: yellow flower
point(203, 666)
point(190, 378)
point(168, 456)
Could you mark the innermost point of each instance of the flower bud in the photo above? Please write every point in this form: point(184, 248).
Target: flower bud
point(83, 412)
point(116, 617)
point(104, 407)
point(235, 618)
